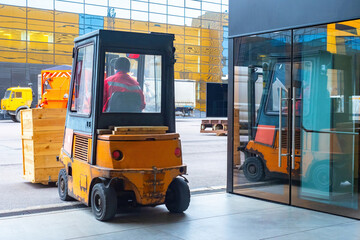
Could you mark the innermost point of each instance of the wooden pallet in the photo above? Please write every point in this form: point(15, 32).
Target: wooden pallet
point(42, 132)
point(219, 127)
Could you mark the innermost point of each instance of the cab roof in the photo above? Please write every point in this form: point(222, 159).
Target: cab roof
point(19, 88)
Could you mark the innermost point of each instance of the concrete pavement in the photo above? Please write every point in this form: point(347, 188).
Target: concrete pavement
point(210, 216)
point(205, 155)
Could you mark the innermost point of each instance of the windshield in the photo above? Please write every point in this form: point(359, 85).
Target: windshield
point(132, 83)
point(7, 94)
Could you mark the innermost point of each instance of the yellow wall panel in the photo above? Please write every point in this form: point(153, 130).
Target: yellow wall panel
point(13, 34)
point(139, 25)
point(40, 14)
point(36, 36)
point(12, 11)
point(158, 27)
point(192, 49)
point(47, 26)
point(179, 67)
point(193, 59)
point(179, 39)
point(63, 49)
point(66, 28)
point(190, 31)
point(210, 51)
point(177, 75)
point(191, 40)
point(176, 29)
point(10, 22)
point(211, 69)
point(63, 60)
point(9, 45)
point(66, 17)
point(40, 58)
point(192, 68)
point(179, 48)
point(65, 38)
point(41, 47)
point(7, 56)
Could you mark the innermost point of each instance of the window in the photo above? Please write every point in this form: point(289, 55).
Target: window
point(277, 86)
point(132, 83)
point(7, 94)
point(81, 99)
point(18, 94)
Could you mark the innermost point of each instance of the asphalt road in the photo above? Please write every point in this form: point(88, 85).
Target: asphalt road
point(205, 155)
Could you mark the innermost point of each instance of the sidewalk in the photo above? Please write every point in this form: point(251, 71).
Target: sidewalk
point(210, 216)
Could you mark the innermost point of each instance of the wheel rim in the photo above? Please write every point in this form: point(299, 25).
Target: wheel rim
point(252, 169)
point(62, 186)
point(97, 203)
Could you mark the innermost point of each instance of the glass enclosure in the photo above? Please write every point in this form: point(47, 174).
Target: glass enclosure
point(297, 115)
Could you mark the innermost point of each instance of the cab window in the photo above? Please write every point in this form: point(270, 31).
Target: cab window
point(132, 83)
point(81, 94)
point(18, 94)
point(7, 94)
point(281, 70)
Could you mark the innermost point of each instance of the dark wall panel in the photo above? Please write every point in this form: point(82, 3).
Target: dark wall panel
point(249, 17)
point(216, 100)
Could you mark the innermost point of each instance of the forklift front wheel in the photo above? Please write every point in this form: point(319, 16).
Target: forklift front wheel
point(254, 169)
point(63, 186)
point(103, 202)
point(177, 197)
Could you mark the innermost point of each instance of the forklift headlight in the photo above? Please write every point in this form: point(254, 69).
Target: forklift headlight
point(117, 155)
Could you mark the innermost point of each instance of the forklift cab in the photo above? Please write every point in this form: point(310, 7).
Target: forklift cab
point(120, 144)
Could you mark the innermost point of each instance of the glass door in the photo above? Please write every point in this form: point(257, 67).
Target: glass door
point(325, 173)
point(262, 83)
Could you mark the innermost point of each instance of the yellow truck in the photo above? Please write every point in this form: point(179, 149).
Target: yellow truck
point(15, 100)
point(53, 89)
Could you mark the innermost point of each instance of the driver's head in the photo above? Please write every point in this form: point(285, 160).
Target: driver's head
point(122, 64)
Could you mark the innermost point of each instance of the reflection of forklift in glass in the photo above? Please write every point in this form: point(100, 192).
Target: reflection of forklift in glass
point(122, 154)
point(319, 142)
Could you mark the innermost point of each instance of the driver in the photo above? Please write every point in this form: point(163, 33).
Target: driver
point(121, 82)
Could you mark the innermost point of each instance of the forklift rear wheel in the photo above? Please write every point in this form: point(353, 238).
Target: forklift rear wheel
point(13, 118)
point(103, 202)
point(63, 186)
point(254, 169)
point(177, 197)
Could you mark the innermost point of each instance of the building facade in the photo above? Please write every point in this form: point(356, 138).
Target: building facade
point(37, 34)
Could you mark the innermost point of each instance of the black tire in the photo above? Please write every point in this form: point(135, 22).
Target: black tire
point(103, 202)
point(177, 197)
point(63, 186)
point(13, 118)
point(18, 115)
point(254, 169)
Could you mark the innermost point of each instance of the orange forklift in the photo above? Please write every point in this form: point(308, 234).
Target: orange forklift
point(120, 145)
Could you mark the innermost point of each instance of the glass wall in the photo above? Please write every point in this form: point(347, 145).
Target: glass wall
point(41, 32)
point(296, 136)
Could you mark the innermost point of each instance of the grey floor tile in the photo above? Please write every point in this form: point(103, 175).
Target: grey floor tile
point(210, 216)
